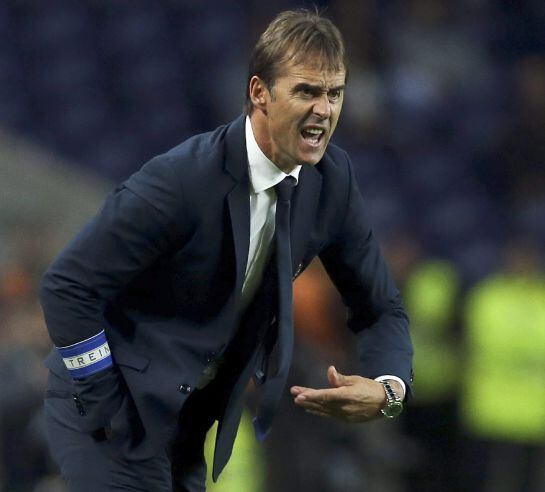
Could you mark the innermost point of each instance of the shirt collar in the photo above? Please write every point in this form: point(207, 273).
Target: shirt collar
point(264, 174)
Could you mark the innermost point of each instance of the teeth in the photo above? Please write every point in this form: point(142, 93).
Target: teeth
point(314, 131)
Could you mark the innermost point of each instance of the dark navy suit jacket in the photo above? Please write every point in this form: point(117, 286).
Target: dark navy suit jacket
point(161, 268)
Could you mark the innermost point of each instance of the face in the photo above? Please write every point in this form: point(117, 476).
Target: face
point(298, 116)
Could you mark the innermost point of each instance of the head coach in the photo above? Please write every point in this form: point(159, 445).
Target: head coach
point(179, 291)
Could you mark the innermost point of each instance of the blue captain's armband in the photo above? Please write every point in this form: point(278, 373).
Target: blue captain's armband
point(87, 357)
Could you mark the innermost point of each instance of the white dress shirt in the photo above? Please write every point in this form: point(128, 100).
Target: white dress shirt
point(264, 175)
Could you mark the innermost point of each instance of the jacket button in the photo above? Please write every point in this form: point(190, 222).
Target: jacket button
point(185, 388)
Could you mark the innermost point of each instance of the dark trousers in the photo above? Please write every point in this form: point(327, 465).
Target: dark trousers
point(91, 463)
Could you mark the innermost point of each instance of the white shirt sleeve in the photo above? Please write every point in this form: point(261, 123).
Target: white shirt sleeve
point(394, 378)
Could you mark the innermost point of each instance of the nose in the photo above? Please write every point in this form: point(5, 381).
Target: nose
point(322, 107)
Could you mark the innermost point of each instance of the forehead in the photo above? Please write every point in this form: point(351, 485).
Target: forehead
point(313, 71)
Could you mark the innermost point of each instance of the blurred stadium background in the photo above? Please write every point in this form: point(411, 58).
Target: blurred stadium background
point(444, 118)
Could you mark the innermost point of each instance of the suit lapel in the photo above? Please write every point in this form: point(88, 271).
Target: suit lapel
point(303, 212)
point(236, 164)
point(304, 202)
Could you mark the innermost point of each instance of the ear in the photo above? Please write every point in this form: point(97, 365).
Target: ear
point(258, 93)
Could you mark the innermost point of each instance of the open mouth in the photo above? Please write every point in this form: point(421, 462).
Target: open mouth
point(313, 135)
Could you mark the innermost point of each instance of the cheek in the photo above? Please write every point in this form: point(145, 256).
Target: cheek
point(335, 118)
point(286, 127)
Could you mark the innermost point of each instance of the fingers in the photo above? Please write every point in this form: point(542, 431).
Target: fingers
point(317, 409)
point(329, 396)
point(296, 390)
point(310, 405)
point(347, 412)
point(330, 407)
point(336, 379)
point(338, 411)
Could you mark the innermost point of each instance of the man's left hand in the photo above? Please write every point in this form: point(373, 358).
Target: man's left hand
point(350, 398)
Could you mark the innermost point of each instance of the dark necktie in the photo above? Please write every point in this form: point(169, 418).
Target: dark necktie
point(276, 382)
point(275, 293)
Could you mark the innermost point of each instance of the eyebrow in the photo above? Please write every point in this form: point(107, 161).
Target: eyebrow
point(316, 88)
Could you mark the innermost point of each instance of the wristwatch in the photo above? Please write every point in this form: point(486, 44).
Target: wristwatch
point(394, 405)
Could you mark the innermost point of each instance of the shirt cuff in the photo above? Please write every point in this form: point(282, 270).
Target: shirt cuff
point(394, 378)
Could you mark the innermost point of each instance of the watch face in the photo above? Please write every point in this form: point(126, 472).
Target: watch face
point(393, 409)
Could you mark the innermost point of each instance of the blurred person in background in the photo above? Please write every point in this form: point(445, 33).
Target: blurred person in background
point(502, 404)
point(164, 305)
point(432, 291)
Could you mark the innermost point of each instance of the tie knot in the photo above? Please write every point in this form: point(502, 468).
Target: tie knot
point(285, 188)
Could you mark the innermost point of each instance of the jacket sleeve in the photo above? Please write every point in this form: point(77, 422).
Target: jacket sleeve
point(139, 222)
point(376, 314)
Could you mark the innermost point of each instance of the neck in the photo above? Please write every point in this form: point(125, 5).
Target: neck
point(262, 137)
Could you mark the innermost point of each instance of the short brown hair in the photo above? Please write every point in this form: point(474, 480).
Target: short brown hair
point(293, 35)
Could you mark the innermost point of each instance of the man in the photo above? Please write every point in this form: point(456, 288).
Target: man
point(179, 291)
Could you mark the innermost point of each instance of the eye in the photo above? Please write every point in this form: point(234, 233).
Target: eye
point(307, 92)
point(334, 95)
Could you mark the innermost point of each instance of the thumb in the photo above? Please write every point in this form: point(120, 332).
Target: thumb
point(337, 379)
